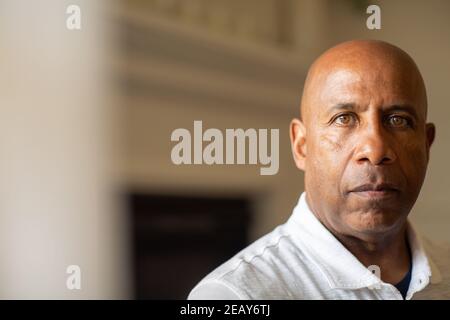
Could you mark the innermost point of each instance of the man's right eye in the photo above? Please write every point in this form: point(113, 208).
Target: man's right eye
point(344, 120)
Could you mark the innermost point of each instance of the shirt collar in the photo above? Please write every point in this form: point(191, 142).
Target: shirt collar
point(339, 266)
point(424, 269)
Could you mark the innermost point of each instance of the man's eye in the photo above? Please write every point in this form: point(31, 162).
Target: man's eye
point(397, 121)
point(344, 119)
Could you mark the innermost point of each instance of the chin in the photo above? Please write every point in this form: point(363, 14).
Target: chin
point(373, 222)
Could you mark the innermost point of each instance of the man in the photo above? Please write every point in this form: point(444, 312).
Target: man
point(364, 144)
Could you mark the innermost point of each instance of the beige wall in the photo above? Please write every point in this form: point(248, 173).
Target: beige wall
point(419, 27)
point(57, 203)
point(249, 86)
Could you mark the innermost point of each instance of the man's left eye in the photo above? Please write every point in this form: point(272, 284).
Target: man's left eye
point(397, 121)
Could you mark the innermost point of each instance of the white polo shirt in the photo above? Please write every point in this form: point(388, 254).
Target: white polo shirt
point(301, 259)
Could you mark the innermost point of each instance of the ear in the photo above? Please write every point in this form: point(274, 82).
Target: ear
point(297, 134)
point(431, 134)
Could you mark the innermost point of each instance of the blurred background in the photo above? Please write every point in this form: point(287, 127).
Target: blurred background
point(87, 115)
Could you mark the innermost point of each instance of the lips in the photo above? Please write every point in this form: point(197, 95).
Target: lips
point(380, 190)
point(375, 187)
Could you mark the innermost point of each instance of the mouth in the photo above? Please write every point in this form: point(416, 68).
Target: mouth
point(375, 191)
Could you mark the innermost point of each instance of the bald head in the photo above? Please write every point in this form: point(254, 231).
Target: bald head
point(363, 141)
point(373, 64)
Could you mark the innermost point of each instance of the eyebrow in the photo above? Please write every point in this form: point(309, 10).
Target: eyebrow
point(405, 108)
point(342, 107)
point(395, 107)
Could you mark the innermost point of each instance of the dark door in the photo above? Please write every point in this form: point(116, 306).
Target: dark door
point(177, 240)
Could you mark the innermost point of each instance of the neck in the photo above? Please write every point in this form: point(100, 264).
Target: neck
point(389, 252)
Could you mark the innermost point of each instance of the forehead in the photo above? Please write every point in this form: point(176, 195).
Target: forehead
point(368, 85)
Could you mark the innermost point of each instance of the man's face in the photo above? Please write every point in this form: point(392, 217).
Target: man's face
point(367, 147)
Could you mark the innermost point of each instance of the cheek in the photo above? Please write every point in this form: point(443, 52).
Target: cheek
point(414, 162)
point(330, 143)
point(326, 158)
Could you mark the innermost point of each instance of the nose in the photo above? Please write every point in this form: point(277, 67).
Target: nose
point(374, 146)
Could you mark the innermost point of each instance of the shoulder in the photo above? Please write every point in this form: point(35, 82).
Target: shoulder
point(260, 271)
point(214, 290)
